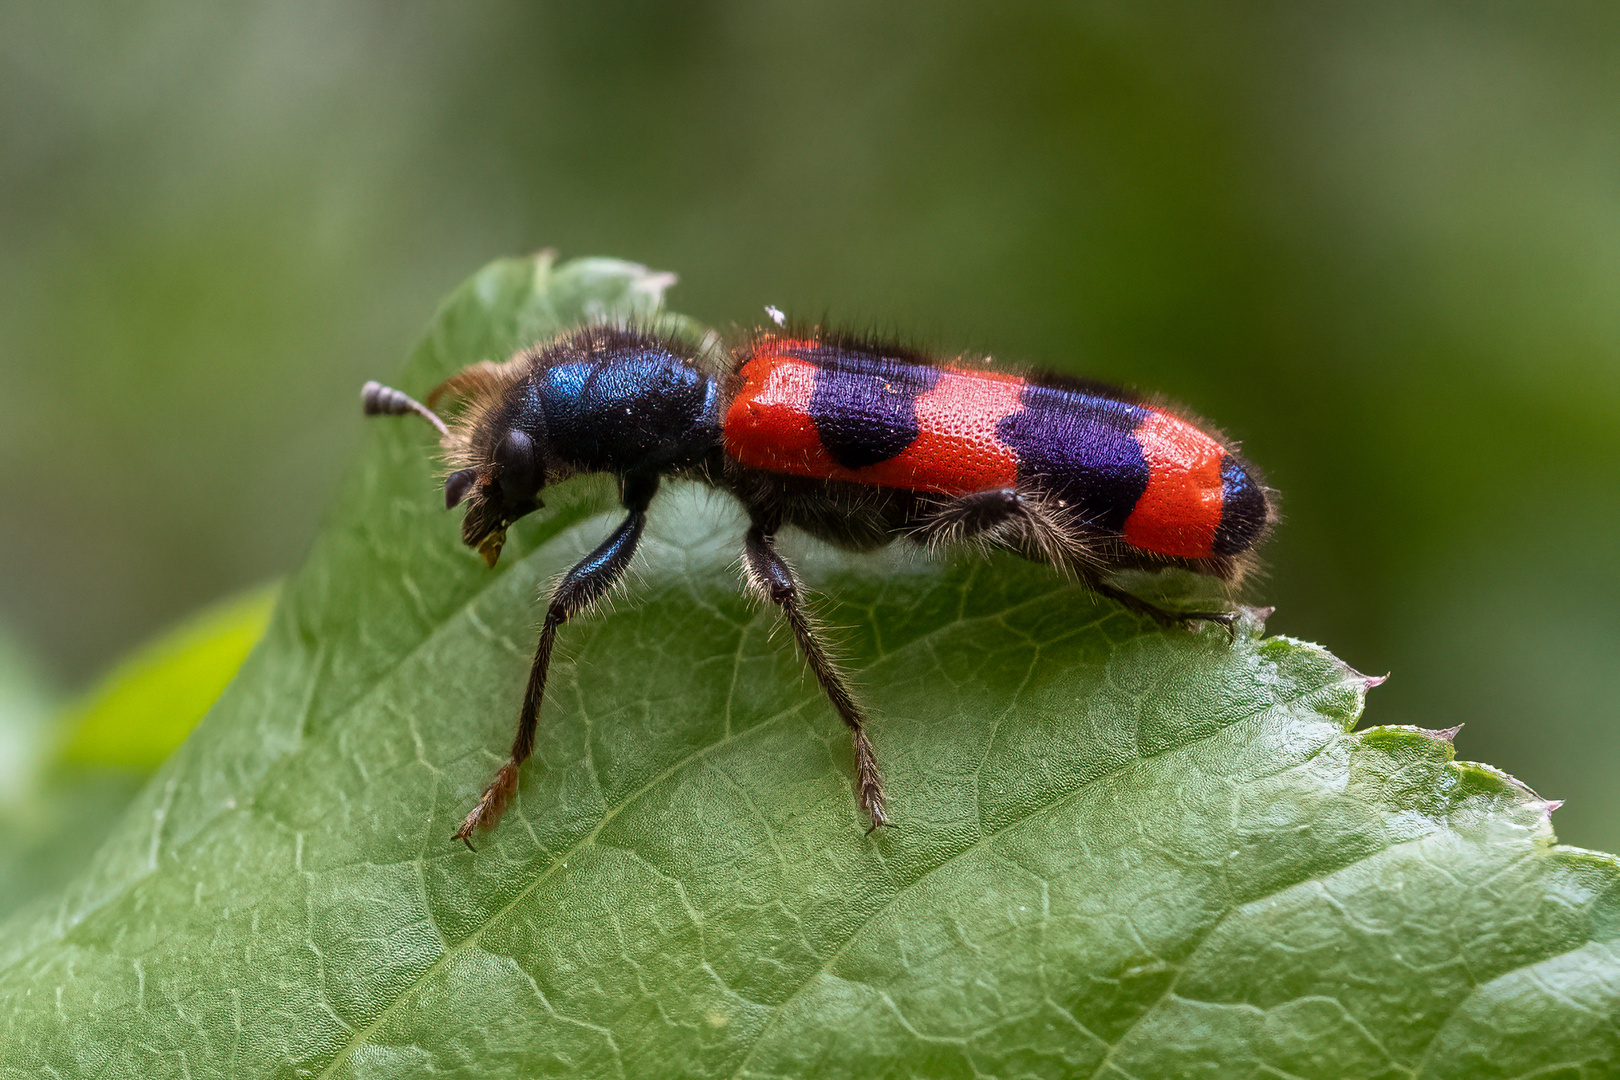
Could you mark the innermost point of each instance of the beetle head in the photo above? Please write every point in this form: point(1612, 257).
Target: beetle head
point(497, 491)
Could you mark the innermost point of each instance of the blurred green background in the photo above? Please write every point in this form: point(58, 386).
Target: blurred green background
point(1379, 242)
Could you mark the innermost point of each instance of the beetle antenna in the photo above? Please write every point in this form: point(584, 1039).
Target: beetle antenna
point(380, 400)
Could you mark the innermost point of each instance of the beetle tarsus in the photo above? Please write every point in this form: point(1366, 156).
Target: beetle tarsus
point(1184, 620)
point(1225, 619)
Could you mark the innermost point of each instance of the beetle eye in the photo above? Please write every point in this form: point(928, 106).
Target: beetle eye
point(456, 485)
point(520, 470)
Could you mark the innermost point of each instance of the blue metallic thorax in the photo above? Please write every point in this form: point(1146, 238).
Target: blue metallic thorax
point(646, 411)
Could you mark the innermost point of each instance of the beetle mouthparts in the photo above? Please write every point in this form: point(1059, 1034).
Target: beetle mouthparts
point(490, 546)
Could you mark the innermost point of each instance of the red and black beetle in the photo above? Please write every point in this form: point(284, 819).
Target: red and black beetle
point(853, 441)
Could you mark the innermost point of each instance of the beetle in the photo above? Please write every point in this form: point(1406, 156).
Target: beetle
point(854, 441)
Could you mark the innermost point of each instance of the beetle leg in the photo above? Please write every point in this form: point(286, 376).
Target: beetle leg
point(1162, 616)
point(1003, 517)
point(590, 579)
point(1007, 517)
point(774, 579)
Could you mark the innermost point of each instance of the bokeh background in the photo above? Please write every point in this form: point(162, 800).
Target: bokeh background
point(1379, 241)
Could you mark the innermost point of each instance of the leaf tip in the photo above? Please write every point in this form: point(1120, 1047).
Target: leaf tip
point(1251, 621)
point(1368, 682)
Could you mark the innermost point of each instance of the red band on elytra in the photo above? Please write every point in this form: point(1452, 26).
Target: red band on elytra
point(768, 425)
point(956, 451)
point(1180, 510)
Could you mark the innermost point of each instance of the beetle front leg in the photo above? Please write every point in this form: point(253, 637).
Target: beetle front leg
point(590, 579)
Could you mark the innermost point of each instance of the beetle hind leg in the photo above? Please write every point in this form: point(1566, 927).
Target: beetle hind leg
point(1006, 517)
point(1163, 616)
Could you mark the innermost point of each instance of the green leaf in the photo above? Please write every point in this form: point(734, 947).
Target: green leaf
point(1119, 851)
point(149, 703)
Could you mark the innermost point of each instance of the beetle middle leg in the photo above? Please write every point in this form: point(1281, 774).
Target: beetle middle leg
point(590, 579)
point(1010, 518)
point(771, 575)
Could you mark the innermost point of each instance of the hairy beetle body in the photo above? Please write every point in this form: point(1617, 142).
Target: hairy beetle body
point(855, 442)
point(1131, 472)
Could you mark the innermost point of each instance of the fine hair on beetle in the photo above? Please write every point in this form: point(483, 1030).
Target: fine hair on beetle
point(852, 440)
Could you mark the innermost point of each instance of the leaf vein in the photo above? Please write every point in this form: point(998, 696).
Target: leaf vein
point(983, 839)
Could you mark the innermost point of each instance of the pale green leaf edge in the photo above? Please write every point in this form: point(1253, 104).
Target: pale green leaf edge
point(147, 705)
